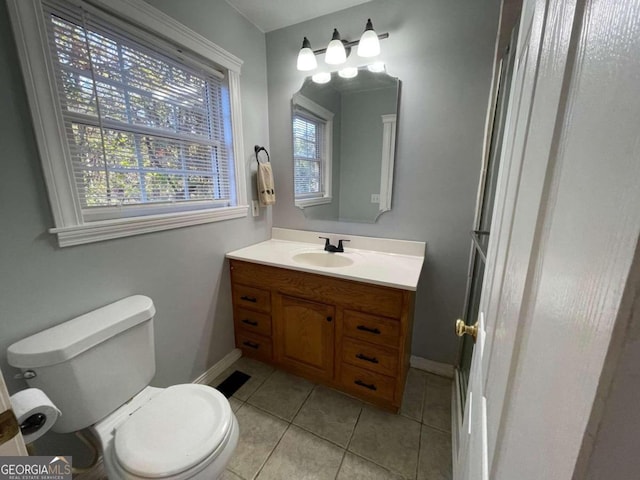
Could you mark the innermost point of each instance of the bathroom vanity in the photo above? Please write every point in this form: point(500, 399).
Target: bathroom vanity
point(340, 319)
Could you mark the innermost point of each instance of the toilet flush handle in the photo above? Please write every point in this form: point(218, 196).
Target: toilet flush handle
point(26, 375)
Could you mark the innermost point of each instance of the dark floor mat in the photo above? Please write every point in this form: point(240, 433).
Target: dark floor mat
point(232, 383)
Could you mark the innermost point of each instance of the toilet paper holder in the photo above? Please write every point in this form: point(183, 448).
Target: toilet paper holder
point(33, 423)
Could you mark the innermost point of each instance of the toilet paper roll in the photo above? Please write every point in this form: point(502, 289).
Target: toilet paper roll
point(35, 412)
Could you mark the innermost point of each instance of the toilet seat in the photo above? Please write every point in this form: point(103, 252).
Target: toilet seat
point(177, 430)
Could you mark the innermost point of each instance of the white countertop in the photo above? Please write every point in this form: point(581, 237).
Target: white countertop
point(387, 268)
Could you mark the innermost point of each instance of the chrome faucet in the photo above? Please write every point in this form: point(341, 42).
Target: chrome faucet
point(332, 248)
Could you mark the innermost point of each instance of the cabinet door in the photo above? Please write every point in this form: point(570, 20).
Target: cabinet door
point(305, 332)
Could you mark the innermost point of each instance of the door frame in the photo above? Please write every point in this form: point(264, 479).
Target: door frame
point(458, 397)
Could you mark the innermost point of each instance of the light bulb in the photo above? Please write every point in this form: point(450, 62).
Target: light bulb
point(336, 53)
point(322, 77)
point(306, 57)
point(348, 72)
point(369, 45)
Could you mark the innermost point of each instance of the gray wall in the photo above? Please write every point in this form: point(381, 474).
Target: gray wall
point(182, 270)
point(442, 51)
point(362, 151)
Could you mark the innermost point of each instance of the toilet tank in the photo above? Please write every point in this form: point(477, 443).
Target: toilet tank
point(92, 364)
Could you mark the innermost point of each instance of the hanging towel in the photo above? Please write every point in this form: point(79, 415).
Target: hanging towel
point(266, 189)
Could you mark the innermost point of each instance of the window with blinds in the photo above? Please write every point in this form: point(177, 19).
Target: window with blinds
point(144, 127)
point(308, 155)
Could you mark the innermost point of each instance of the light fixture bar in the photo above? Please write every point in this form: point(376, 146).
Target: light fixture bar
point(348, 45)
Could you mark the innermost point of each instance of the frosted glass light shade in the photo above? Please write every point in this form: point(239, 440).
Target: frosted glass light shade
point(348, 72)
point(322, 77)
point(306, 57)
point(336, 54)
point(376, 67)
point(369, 45)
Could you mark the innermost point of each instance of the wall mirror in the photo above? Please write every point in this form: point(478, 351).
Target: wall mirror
point(344, 137)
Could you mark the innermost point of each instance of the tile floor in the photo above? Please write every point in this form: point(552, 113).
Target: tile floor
point(292, 429)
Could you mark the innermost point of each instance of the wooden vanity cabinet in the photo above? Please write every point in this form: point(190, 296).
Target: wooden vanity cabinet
point(348, 335)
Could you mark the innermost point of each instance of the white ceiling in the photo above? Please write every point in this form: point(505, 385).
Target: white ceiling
point(270, 15)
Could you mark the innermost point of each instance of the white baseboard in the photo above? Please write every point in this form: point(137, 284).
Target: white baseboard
point(219, 367)
point(442, 369)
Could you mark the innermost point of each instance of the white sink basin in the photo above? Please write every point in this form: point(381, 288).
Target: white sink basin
point(322, 259)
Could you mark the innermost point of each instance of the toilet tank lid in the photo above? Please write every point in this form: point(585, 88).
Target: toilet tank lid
point(69, 339)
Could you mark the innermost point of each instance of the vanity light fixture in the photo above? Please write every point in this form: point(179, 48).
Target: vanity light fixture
point(336, 53)
point(322, 77)
point(369, 45)
point(338, 50)
point(348, 72)
point(306, 57)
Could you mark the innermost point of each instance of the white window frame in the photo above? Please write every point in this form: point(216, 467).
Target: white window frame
point(30, 33)
point(322, 113)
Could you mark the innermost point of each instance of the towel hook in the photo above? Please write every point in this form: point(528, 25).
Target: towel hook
point(258, 149)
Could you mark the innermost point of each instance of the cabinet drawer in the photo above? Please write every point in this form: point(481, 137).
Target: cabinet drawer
point(253, 321)
point(370, 357)
point(370, 328)
point(364, 382)
point(252, 298)
point(252, 345)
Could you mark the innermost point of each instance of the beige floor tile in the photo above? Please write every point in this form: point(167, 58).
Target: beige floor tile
point(330, 415)
point(259, 434)
point(437, 403)
point(435, 455)
point(282, 395)
point(388, 440)
point(235, 404)
point(413, 398)
point(229, 475)
point(301, 455)
point(257, 370)
point(357, 468)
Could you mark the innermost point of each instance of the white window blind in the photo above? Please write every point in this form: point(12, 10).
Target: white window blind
point(308, 154)
point(144, 128)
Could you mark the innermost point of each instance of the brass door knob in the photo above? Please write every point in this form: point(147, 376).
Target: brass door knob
point(464, 329)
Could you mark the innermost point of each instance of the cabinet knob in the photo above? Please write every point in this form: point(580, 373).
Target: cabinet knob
point(329, 319)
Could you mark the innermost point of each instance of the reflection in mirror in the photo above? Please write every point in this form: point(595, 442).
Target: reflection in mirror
point(344, 145)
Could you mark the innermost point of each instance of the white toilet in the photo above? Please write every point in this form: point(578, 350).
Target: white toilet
point(96, 369)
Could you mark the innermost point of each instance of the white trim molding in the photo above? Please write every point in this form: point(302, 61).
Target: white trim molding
point(310, 202)
point(127, 227)
point(437, 368)
point(220, 366)
point(30, 33)
point(388, 160)
point(161, 24)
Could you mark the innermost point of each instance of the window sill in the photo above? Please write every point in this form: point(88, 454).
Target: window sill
point(126, 227)
point(310, 202)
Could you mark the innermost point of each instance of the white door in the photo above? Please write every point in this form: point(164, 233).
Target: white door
point(11, 442)
point(564, 230)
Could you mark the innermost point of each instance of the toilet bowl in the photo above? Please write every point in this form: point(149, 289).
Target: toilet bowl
point(181, 432)
point(96, 369)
